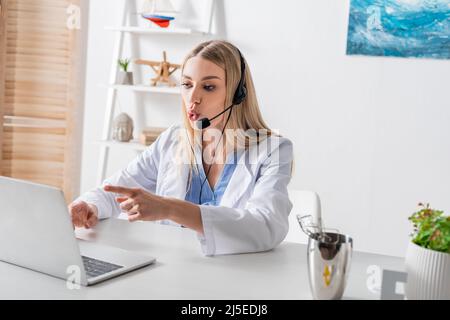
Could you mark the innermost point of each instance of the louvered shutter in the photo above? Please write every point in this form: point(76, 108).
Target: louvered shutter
point(41, 93)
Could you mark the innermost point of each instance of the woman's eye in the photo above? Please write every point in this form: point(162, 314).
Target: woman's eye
point(209, 88)
point(185, 84)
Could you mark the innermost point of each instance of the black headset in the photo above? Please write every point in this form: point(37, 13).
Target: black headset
point(241, 90)
point(239, 96)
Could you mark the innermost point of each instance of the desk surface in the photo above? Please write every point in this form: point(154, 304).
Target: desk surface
point(182, 272)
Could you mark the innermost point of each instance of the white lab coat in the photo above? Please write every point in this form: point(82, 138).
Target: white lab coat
point(253, 213)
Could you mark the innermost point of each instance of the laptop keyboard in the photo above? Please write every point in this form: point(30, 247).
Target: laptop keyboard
point(95, 268)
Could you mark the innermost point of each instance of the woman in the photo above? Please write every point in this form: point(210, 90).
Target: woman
point(223, 174)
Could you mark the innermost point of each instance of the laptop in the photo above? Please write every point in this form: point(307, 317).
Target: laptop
point(36, 232)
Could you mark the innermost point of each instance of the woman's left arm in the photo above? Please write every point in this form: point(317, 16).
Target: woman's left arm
point(263, 223)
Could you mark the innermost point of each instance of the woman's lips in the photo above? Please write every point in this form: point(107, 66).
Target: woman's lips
point(193, 116)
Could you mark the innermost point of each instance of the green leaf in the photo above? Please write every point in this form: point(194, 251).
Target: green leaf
point(432, 228)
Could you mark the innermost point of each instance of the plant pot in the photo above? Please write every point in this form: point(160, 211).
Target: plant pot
point(125, 78)
point(428, 274)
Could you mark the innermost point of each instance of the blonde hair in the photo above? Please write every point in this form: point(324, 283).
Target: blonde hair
point(245, 121)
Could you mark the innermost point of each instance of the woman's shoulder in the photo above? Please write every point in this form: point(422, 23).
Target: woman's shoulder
point(271, 147)
point(172, 130)
point(276, 141)
point(171, 134)
point(280, 140)
point(280, 146)
point(164, 142)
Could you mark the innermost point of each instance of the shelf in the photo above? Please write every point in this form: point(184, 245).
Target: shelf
point(150, 30)
point(135, 33)
point(146, 88)
point(133, 144)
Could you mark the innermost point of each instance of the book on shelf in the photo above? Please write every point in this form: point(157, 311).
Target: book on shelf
point(150, 134)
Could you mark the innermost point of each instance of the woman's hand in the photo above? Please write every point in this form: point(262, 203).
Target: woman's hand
point(140, 204)
point(83, 214)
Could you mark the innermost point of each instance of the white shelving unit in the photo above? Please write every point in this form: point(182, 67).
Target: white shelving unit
point(123, 27)
point(133, 144)
point(141, 30)
point(145, 88)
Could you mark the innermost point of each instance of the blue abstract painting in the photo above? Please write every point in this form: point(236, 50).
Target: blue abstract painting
point(400, 28)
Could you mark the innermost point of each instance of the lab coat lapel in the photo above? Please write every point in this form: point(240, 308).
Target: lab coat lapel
point(241, 182)
point(174, 181)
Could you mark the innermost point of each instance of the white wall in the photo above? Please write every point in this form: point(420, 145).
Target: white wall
point(371, 134)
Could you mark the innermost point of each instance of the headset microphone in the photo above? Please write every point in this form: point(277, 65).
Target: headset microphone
point(204, 123)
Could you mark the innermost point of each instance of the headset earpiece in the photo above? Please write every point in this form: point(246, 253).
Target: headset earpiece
point(241, 90)
point(239, 96)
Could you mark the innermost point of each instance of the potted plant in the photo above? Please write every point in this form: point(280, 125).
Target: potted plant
point(125, 76)
point(428, 256)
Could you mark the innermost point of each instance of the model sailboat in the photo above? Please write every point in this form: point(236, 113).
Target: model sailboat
point(160, 12)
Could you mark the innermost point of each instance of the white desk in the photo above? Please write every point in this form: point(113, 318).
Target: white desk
point(182, 272)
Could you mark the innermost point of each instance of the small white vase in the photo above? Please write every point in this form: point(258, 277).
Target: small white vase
point(428, 274)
